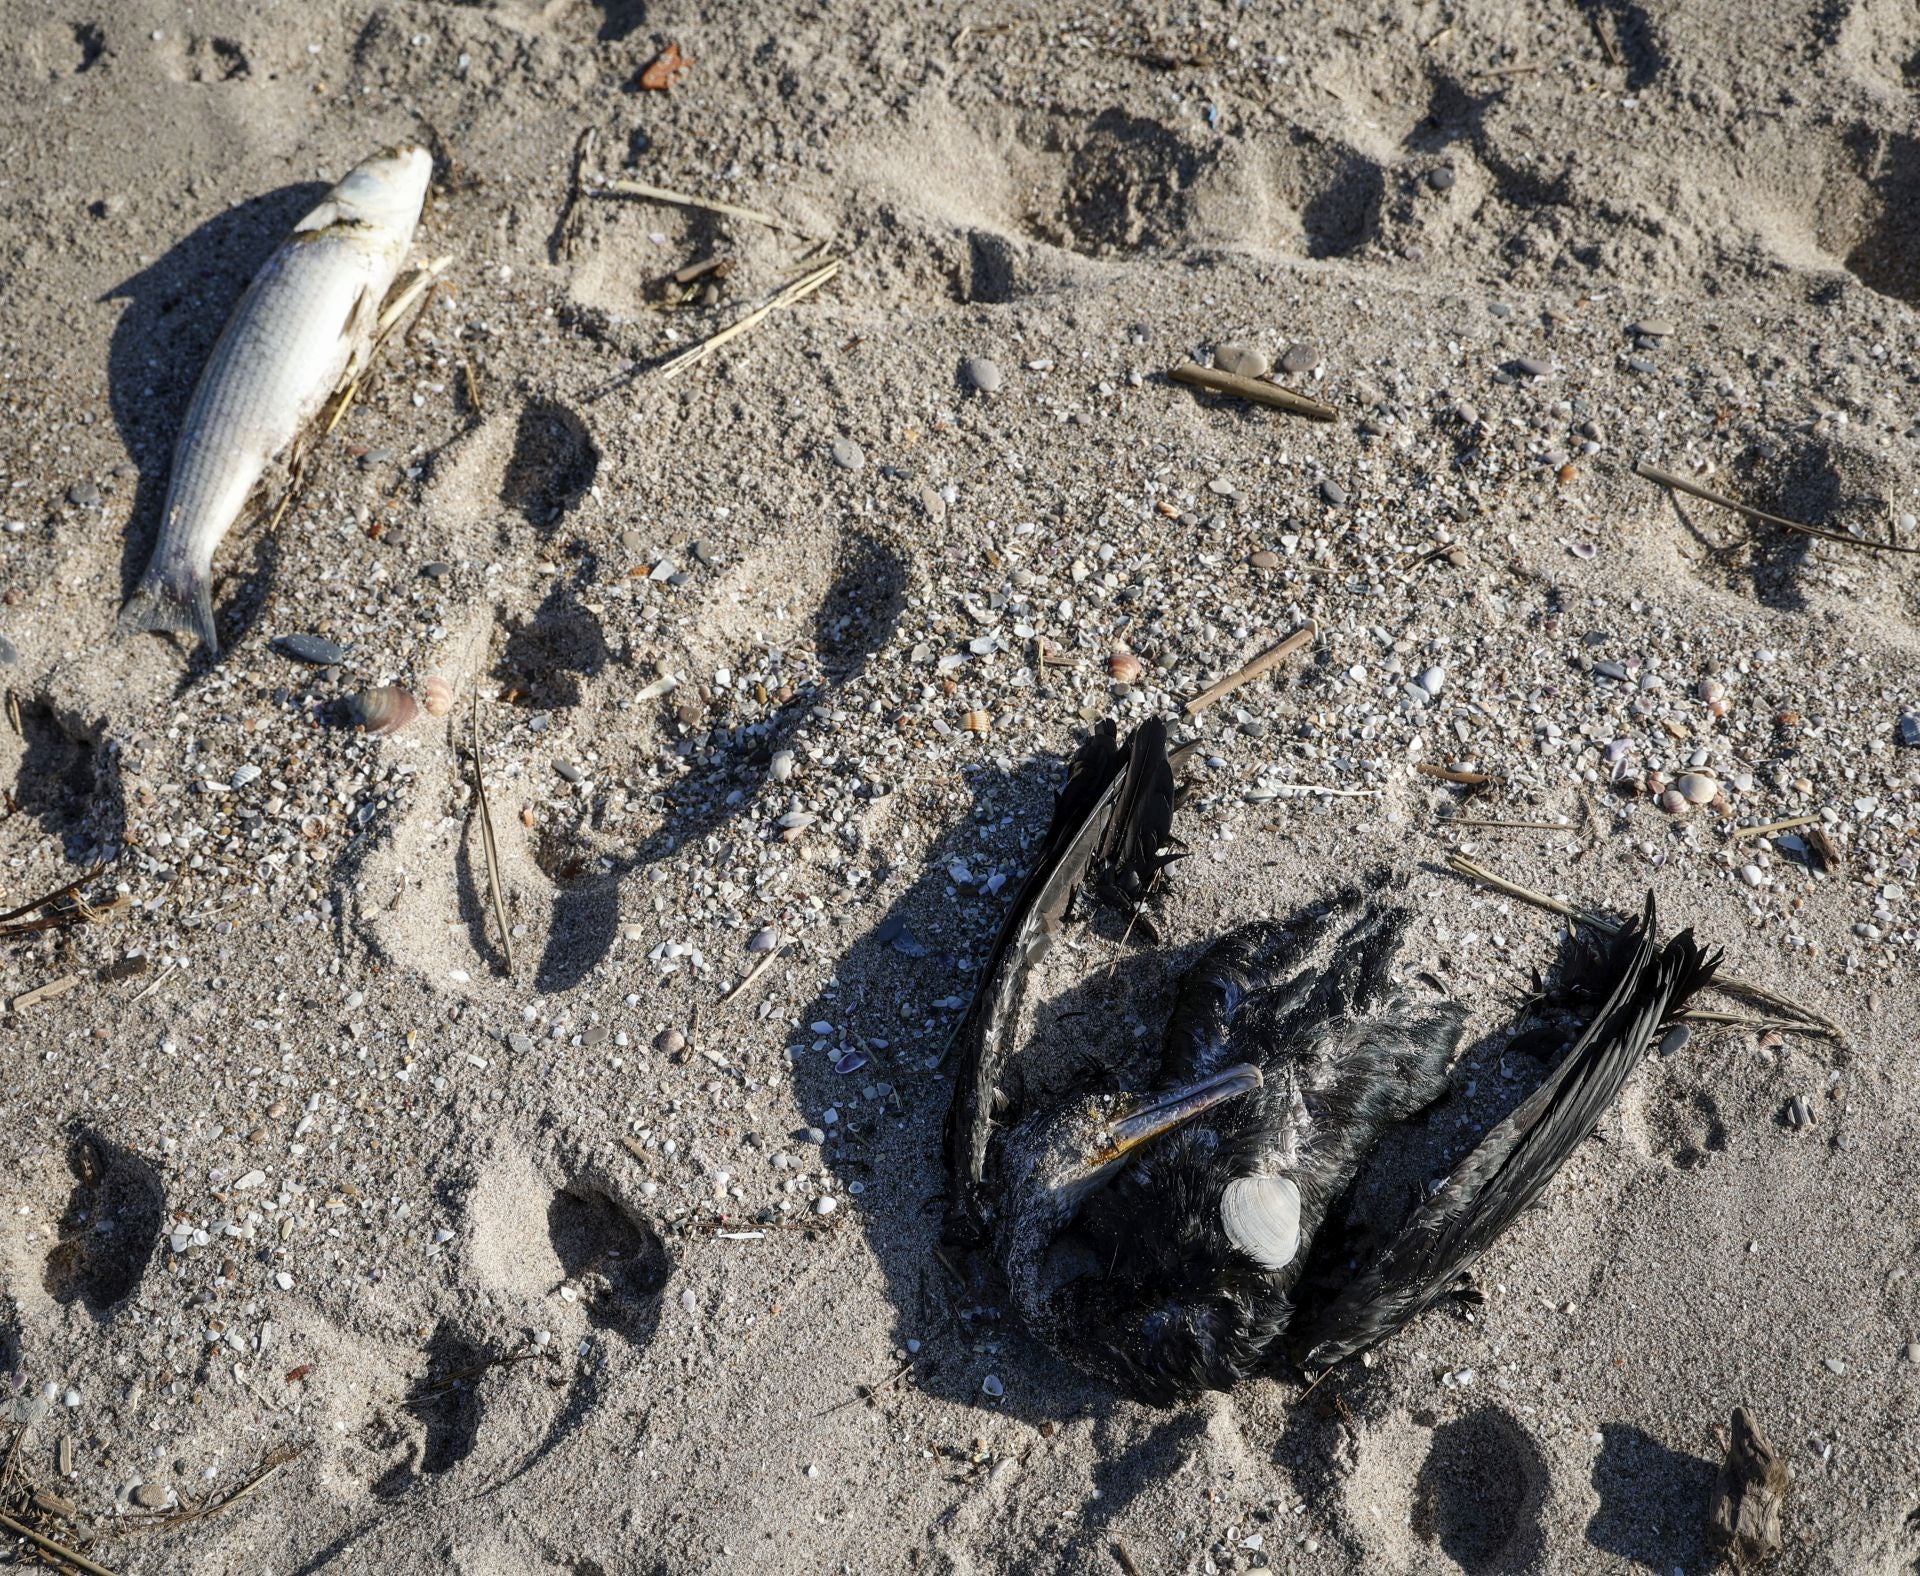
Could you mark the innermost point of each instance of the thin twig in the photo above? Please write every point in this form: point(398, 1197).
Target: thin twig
point(756, 971)
point(494, 887)
point(1693, 489)
point(628, 188)
point(52, 897)
point(1807, 1020)
point(569, 214)
point(1775, 826)
point(58, 1550)
point(1272, 657)
point(1124, 1559)
point(1260, 393)
point(275, 1461)
point(805, 286)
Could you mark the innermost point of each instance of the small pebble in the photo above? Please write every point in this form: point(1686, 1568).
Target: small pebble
point(978, 373)
point(668, 1041)
point(1298, 358)
point(568, 770)
point(311, 648)
point(848, 455)
point(1333, 492)
point(1833, 1365)
point(436, 569)
point(1242, 360)
point(1913, 1353)
point(8, 656)
point(1442, 178)
point(780, 768)
point(688, 1302)
point(1675, 1040)
point(151, 1496)
point(1531, 366)
point(1433, 680)
point(84, 495)
point(825, 1204)
point(1653, 328)
point(1265, 559)
point(1753, 875)
point(1909, 724)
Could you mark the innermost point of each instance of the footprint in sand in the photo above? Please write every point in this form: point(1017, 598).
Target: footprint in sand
point(806, 623)
point(1466, 1494)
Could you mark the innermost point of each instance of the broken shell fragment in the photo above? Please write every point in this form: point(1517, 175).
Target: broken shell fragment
point(384, 710)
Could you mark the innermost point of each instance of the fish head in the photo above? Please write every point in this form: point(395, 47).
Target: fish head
point(386, 190)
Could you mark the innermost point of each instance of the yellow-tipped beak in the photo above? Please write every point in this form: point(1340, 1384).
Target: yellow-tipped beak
point(1167, 1111)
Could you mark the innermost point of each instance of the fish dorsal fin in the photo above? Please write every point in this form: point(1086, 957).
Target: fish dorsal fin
point(1262, 1219)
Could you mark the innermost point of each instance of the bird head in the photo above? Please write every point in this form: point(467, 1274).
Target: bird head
point(1137, 1252)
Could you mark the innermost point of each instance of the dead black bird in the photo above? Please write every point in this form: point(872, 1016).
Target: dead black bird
point(1157, 1239)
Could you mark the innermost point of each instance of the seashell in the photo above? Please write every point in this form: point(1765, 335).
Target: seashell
point(976, 722)
point(385, 710)
point(669, 1041)
point(438, 694)
point(1124, 667)
point(1710, 690)
point(1698, 788)
point(849, 1062)
point(1673, 802)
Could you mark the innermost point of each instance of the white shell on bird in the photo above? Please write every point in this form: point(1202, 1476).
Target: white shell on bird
point(1262, 1219)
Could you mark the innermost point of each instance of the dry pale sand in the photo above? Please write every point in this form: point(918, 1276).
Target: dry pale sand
point(541, 1288)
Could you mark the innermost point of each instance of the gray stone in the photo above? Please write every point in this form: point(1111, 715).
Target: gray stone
point(1242, 360)
point(322, 653)
point(84, 495)
point(1909, 724)
point(1298, 358)
point(848, 455)
point(1441, 179)
point(1333, 492)
point(1530, 367)
point(8, 656)
point(981, 374)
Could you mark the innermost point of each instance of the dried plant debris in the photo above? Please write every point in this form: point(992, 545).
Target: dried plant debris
point(1750, 1495)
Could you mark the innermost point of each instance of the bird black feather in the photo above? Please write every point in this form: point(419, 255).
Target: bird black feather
point(1513, 1164)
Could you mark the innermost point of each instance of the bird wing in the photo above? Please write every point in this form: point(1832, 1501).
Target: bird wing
point(1517, 1159)
point(1112, 817)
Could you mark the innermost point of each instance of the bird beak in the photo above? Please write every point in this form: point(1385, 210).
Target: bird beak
point(1170, 1110)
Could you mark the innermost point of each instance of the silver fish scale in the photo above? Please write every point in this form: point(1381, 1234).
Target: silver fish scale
point(276, 363)
point(303, 326)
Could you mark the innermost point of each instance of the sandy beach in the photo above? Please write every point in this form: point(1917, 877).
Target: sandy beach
point(343, 1232)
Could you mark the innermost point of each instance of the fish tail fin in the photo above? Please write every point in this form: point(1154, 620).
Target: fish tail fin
point(175, 597)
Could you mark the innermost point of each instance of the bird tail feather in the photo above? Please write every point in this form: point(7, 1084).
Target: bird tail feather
point(1516, 1160)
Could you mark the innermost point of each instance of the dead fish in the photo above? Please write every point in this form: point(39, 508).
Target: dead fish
point(304, 327)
